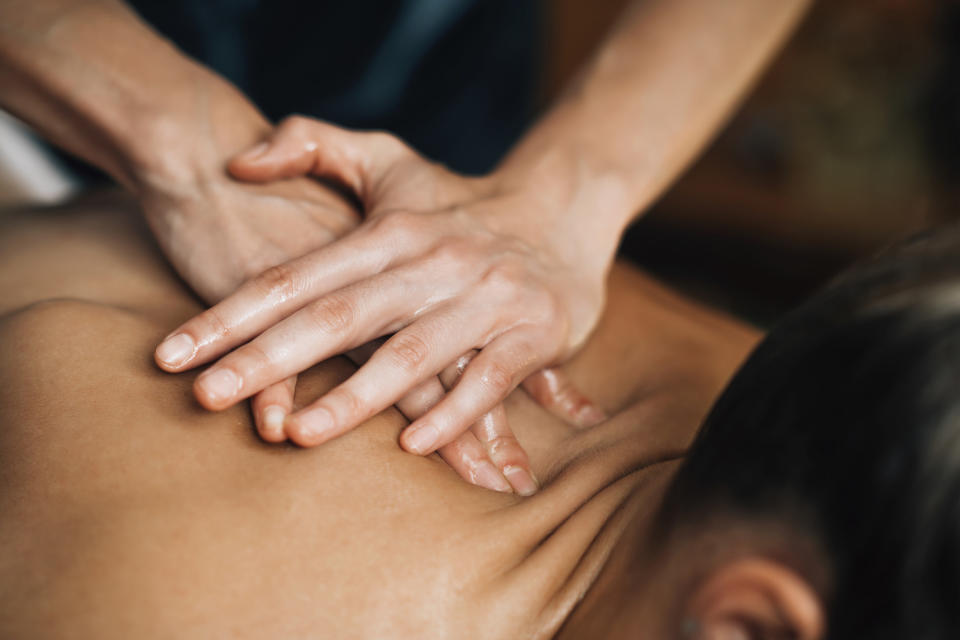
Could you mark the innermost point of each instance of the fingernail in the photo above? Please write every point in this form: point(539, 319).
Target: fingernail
point(255, 152)
point(487, 476)
point(422, 439)
point(592, 415)
point(521, 480)
point(176, 350)
point(219, 384)
point(311, 424)
point(272, 420)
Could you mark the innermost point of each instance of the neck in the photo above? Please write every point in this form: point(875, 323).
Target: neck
point(588, 602)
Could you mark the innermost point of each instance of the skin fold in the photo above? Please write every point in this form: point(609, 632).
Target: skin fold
point(126, 510)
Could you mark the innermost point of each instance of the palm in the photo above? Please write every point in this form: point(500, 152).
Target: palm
point(219, 236)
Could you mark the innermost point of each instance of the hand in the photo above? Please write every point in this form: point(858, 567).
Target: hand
point(448, 263)
point(270, 224)
point(488, 454)
point(218, 233)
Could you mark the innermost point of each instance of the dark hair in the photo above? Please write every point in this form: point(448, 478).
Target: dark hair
point(849, 412)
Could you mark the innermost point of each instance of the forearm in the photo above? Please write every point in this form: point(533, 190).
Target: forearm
point(650, 100)
point(96, 81)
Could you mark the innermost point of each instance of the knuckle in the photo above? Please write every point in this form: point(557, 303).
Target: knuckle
point(346, 406)
point(295, 125)
point(457, 450)
point(409, 352)
point(455, 255)
point(448, 252)
point(505, 277)
point(332, 314)
point(464, 360)
point(251, 362)
point(388, 143)
point(545, 306)
point(280, 282)
point(506, 449)
point(497, 377)
point(399, 222)
point(211, 324)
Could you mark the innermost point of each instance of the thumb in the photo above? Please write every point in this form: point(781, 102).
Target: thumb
point(302, 146)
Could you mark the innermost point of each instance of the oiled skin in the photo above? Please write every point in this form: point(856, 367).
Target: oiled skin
point(126, 511)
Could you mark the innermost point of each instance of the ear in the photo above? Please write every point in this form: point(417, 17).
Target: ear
point(755, 599)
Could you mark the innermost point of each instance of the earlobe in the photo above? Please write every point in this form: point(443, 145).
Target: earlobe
point(754, 599)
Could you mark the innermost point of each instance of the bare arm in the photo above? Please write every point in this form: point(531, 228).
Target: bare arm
point(98, 82)
point(653, 96)
point(512, 264)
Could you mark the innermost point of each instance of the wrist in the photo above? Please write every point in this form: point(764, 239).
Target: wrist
point(186, 142)
point(571, 203)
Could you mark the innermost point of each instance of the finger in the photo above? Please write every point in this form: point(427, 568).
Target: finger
point(451, 373)
point(492, 431)
point(485, 382)
point(556, 393)
point(330, 325)
point(404, 361)
point(359, 355)
point(468, 457)
point(278, 292)
point(421, 398)
point(301, 146)
point(271, 407)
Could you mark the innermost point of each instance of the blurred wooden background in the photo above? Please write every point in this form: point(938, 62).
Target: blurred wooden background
point(849, 142)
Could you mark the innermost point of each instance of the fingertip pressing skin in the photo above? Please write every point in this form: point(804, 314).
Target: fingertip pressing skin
point(217, 388)
point(522, 480)
point(469, 459)
point(465, 455)
point(175, 351)
point(484, 474)
point(310, 427)
point(271, 423)
point(420, 439)
point(270, 409)
point(484, 383)
point(494, 433)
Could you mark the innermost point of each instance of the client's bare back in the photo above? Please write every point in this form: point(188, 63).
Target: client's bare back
point(127, 511)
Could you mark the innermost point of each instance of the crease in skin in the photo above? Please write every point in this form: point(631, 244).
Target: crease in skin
point(574, 490)
point(571, 586)
point(562, 567)
point(592, 469)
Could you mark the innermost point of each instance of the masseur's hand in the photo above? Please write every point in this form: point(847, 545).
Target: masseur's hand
point(219, 233)
point(447, 264)
point(227, 232)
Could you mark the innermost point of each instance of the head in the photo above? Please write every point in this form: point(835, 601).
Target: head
point(821, 498)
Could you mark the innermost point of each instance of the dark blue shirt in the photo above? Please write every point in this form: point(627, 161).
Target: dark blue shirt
point(455, 78)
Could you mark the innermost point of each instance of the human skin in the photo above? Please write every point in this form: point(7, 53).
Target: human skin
point(128, 511)
point(512, 264)
point(96, 81)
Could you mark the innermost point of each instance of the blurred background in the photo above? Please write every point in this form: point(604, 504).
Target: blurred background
point(850, 141)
